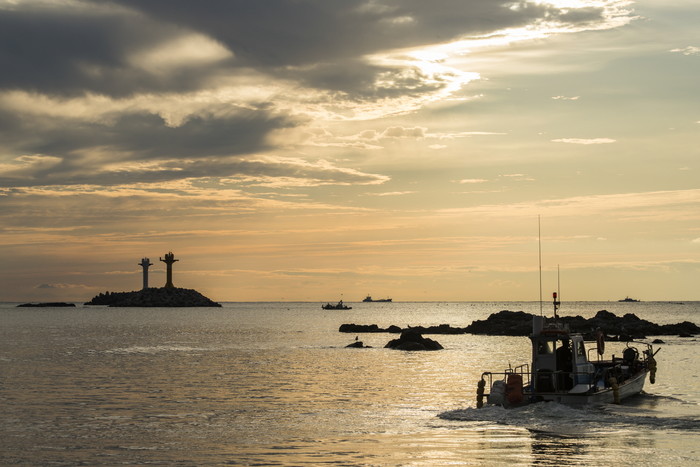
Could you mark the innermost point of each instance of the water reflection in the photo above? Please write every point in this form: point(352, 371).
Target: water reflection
point(554, 449)
point(262, 385)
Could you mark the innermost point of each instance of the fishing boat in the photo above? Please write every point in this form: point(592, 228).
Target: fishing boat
point(338, 306)
point(562, 370)
point(369, 298)
point(628, 299)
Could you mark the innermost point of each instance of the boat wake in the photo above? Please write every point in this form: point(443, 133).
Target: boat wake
point(563, 420)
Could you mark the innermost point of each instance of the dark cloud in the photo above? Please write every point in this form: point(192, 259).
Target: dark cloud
point(303, 32)
point(104, 48)
point(79, 147)
point(75, 50)
point(357, 80)
point(65, 52)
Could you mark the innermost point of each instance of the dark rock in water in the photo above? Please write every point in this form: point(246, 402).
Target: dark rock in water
point(685, 334)
point(47, 304)
point(441, 329)
point(357, 345)
point(503, 323)
point(518, 323)
point(657, 341)
point(154, 297)
point(361, 328)
point(413, 340)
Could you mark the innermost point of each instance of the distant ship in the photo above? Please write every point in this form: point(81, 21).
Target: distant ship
point(368, 298)
point(339, 306)
point(627, 299)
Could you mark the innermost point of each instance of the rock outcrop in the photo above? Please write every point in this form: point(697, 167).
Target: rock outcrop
point(518, 323)
point(154, 297)
point(413, 340)
point(47, 304)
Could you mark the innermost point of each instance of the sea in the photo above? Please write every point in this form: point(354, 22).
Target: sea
point(265, 384)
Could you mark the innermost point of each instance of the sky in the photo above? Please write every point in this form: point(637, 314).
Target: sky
point(313, 150)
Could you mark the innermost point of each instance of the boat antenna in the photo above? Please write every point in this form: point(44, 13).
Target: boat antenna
point(539, 251)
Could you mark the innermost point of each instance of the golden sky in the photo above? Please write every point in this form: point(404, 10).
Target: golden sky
point(312, 150)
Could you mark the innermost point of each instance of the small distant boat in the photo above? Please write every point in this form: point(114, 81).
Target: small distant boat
point(562, 372)
point(368, 298)
point(627, 299)
point(338, 306)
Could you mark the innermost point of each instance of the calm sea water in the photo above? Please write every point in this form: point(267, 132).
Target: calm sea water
point(272, 384)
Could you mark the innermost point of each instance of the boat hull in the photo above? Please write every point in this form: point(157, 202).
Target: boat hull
point(630, 387)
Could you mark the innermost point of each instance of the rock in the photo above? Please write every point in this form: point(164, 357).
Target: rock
point(47, 304)
point(518, 323)
point(154, 297)
point(360, 328)
point(441, 329)
point(357, 345)
point(503, 323)
point(657, 341)
point(413, 340)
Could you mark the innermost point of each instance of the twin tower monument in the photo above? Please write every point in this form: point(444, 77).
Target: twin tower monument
point(168, 296)
point(169, 260)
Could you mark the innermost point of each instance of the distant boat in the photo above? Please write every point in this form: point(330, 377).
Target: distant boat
point(627, 299)
point(338, 306)
point(368, 298)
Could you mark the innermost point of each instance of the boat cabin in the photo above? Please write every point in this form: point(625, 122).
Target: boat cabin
point(559, 359)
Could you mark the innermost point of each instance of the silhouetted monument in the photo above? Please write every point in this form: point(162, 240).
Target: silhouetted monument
point(145, 263)
point(167, 296)
point(169, 260)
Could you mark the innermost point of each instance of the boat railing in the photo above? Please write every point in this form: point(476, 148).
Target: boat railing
point(522, 370)
point(544, 381)
point(520, 375)
point(643, 355)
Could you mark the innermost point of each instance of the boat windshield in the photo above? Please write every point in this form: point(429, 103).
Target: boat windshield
point(545, 347)
point(581, 349)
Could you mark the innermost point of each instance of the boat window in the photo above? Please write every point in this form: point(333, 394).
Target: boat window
point(545, 347)
point(581, 349)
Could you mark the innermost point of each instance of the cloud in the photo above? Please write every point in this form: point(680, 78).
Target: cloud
point(102, 48)
point(565, 98)
point(472, 180)
point(135, 147)
point(360, 140)
point(462, 134)
point(61, 286)
point(124, 47)
point(518, 177)
point(584, 140)
point(690, 50)
point(120, 93)
point(654, 206)
point(401, 132)
point(392, 193)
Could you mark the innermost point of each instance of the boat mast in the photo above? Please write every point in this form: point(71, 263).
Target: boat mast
point(557, 300)
point(539, 250)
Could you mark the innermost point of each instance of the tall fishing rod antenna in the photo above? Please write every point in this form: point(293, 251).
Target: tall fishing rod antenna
point(539, 251)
